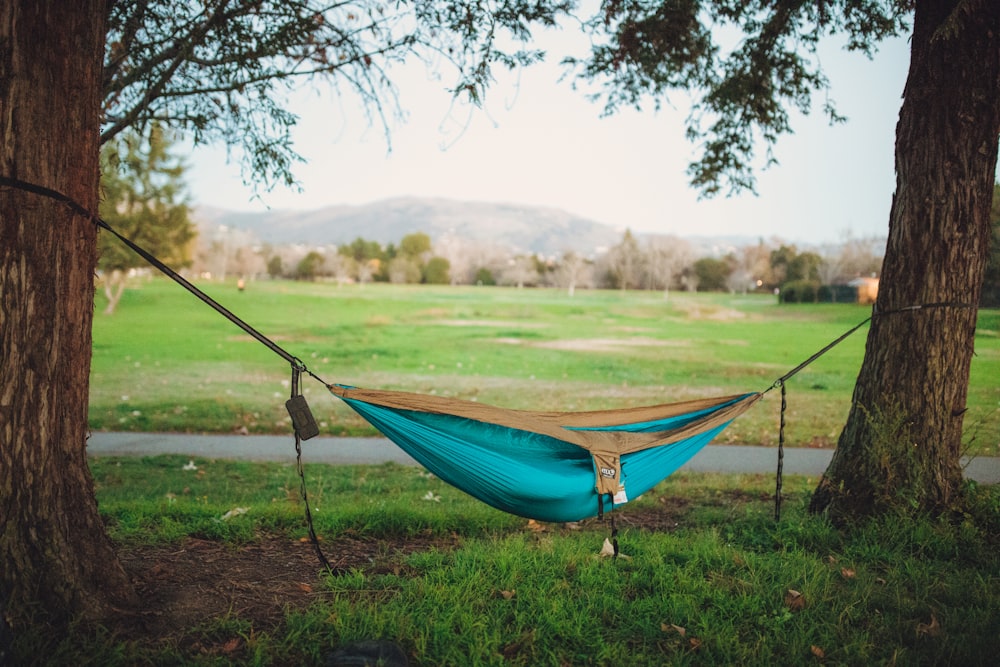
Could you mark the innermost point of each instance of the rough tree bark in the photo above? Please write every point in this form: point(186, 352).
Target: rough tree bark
point(900, 447)
point(57, 560)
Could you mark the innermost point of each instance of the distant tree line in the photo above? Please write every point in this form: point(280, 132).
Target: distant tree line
point(652, 262)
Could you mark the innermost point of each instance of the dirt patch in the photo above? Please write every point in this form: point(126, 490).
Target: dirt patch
point(596, 344)
point(664, 517)
point(609, 344)
point(719, 313)
point(183, 588)
point(513, 324)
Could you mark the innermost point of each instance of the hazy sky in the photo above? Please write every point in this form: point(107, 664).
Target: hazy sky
point(538, 142)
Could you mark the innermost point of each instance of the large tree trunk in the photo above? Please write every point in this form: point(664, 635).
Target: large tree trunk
point(56, 560)
point(900, 448)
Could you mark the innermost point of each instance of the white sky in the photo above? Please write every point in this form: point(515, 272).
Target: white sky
point(538, 142)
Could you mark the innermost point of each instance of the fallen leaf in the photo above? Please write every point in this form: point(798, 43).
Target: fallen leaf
point(607, 549)
point(847, 573)
point(508, 595)
point(667, 627)
point(794, 600)
point(430, 496)
point(880, 580)
point(236, 511)
point(694, 643)
point(232, 645)
point(932, 629)
point(305, 588)
point(189, 466)
point(535, 526)
point(817, 651)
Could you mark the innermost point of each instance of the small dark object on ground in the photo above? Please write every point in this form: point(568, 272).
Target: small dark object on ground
point(368, 653)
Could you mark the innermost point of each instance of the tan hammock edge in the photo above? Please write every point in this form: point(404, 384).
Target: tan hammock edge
point(605, 446)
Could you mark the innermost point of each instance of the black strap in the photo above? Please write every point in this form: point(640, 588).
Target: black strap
point(781, 456)
point(780, 382)
point(875, 313)
point(152, 259)
point(302, 480)
point(222, 310)
point(614, 524)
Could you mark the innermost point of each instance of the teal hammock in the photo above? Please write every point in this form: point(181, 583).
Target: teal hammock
point(549, 466)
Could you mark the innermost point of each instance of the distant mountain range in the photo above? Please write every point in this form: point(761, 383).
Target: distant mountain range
point(517, 227)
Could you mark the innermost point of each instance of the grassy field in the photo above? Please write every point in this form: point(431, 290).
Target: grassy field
point(706, 577)
point(167, 362)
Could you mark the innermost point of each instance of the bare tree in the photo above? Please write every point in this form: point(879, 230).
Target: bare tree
point(571, 271)
point(666, 256)
point(626, 261)
point(460, 256)
point(520, 271)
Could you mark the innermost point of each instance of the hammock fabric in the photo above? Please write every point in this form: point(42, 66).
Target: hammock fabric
point(549, 466)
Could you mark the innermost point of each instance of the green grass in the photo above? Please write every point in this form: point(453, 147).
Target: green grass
point(171, 502)
point(167, 362)
point(709, 586)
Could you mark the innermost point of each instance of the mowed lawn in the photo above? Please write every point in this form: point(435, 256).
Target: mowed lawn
point(165, 361)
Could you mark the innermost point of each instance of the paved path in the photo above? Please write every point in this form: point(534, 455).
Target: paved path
point(344, 451)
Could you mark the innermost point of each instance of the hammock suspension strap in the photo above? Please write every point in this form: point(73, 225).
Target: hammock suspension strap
point(780, 382)
point(614, 524)
point(100, 223)
point(305, 428)
point(781, 455)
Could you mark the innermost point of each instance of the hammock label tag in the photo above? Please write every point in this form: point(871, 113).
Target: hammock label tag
point(621, 497)
point(302, 418)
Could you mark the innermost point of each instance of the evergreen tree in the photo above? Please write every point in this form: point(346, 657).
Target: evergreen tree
point(144, 201)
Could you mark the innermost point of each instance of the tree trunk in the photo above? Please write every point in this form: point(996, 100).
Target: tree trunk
point(57, 560)
point(114, 287)
point(900, 448)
